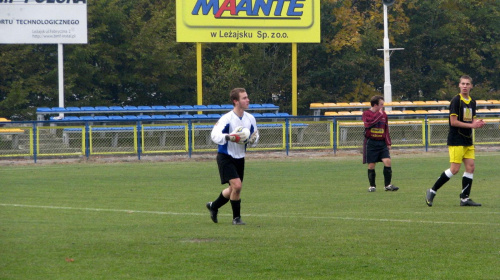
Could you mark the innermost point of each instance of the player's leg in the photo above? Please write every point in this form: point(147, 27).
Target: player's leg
point(371, 177)
point(467, 178)
point(388, 174)
point(236, 186)
point(456, 156)
point(226, 172)
point(370, 156)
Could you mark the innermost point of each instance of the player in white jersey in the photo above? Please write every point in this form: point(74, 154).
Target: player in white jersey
point(231, 153)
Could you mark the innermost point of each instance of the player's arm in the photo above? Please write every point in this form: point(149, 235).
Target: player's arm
point(218, 136)
point(254, 138)
point(371, 119)
point(388, 141)
point(476, 123)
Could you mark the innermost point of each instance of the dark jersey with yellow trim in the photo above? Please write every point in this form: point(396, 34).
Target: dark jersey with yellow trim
point(465, 110)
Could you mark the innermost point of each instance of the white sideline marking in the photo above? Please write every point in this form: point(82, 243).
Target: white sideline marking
point(249, 215)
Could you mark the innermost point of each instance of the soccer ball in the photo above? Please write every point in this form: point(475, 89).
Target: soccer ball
point(243, 132)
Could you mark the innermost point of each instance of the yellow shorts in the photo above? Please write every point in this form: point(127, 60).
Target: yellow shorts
point(458, 153)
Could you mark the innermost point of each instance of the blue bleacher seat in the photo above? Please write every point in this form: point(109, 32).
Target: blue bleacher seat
point(130, 108)
point(269, 106)
point(186, 107)
point(115, 108)
point(185, 116)
point(201, 107)
point(157, 107)
point(172, 107)
point(269, 125)
point(58, 109)
point(130, 117)
point(125, 128)
point(268, 114)
point(73, 109)
point(101, 118)
point(169, 127)
point(144, 107)
point(43, 109)
point(87, 118)
point(282, 114)
point(115, 117)
point(257, 114)
point(255, 106)
point(67, 118)
point(215, 116)
point(227, 106)
point(87, 108)
point(213, 106)
point(144, 117)
point(171, 116)
point(200, 116)
point(157, 116)
point(102, 108)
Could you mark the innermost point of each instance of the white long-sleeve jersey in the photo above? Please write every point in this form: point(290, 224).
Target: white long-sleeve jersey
point(226, 124)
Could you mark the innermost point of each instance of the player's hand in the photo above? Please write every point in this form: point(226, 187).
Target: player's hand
point(478, 123)
point(253, 137)
point(238, 136)
point(233, 138)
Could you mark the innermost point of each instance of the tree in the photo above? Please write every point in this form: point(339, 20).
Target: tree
point(132, 58)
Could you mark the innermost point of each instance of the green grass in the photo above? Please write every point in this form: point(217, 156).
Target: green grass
point(306, 219)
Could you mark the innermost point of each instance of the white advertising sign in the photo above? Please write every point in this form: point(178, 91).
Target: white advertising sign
point(43, 21)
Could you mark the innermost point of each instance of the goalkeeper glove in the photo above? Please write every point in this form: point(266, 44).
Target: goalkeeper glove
point(232, 138)
point(237, 136)
point(253, 137)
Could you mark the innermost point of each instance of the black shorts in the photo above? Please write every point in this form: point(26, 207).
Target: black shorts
point(230, 168)
point(375, 151)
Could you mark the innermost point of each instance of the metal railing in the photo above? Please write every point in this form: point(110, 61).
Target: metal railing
point(79, 138)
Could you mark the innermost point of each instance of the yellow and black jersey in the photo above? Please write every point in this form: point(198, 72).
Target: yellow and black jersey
point(465, 110)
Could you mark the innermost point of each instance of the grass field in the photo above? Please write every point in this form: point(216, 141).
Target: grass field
point(306, 219)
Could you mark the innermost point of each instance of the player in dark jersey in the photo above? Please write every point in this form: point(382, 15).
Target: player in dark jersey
point(377, 143)
point(462, 120)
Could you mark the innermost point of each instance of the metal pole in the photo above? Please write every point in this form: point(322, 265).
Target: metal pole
point(294, 79)
point(387, 57)
point(61, 77)
point(199, 80)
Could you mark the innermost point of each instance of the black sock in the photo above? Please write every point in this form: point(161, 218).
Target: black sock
point(387, 175)
point(440, 182)
point(466, 185)
point(219, 202)
point(371, 177)
point(236, 205)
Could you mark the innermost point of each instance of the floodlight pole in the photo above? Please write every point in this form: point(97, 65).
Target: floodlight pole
point(387, 60)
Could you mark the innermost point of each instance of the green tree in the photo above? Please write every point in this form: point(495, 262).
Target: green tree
point(132, 58)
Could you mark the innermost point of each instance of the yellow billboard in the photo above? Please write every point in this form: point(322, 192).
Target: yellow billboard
point(248, 21)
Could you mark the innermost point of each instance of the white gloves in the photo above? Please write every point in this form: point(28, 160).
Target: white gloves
point(253, 137)
point(239, 135)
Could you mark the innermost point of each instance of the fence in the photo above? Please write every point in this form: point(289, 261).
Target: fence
point(186, 136)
